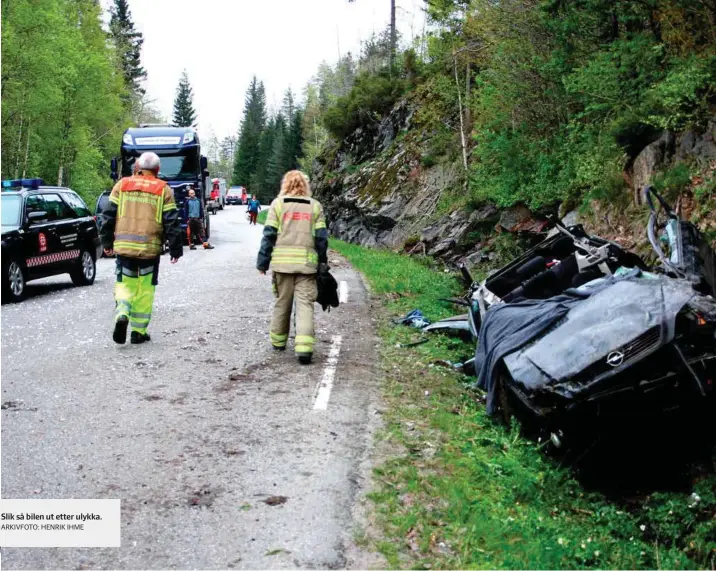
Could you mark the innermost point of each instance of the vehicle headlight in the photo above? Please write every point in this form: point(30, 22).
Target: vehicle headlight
point(188, 138)
point(127, 139)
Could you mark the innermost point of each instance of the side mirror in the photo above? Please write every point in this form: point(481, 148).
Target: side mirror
point(205, 173)
point(37, 216)
point(203, 162)
point(113, 167)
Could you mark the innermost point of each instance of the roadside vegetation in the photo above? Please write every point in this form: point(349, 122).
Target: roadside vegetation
point(540, 102)
point(460, 490)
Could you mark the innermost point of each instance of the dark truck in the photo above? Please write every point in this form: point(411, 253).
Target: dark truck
point(182, 164)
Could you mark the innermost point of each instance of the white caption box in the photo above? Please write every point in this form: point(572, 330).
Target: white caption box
point(60, 523)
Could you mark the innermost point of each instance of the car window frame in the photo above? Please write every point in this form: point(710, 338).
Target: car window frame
point(58, 194)
point(65, 194)
point(26, 202)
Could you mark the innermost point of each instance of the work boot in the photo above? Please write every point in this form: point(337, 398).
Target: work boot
point(120, 330)
point(208, 246)
point(304, 358)
point(192, 247)
point(277, 348)
point(137, 338)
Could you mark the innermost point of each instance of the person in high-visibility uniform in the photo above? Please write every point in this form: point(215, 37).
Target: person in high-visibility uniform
point(141, 215)
point(294, 246)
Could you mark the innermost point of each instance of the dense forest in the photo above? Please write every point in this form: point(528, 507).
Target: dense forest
point(539, 101)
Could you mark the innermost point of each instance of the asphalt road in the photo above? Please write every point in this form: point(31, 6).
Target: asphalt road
point(195, 430)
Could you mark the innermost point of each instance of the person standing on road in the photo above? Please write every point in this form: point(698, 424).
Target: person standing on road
point(253, 208)
point(295, 246)
point(194, 213)
point(141, 214)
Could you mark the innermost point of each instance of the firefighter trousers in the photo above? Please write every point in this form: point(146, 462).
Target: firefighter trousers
point(134, 291)
point(302, 288)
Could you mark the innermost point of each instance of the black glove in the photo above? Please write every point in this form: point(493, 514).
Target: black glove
point(323, 268)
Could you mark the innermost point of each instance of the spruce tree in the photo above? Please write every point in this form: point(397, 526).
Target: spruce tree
point(276, 166)
point(260, 182)
point(128, 44)
point(184, 113)
point(246, 161)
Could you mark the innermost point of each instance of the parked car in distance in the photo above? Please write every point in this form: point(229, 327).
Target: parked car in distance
point(46, 231)
point(236, 195)
point(101, 205)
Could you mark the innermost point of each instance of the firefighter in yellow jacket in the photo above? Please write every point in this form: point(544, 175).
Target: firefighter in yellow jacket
point(141, 216)
point(294, 246)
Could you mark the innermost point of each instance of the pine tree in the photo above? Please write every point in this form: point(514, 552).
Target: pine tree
point(184, 112)
point(246, 161)
point(128, 44)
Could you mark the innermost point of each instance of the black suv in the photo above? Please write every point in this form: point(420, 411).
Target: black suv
point(46, 231)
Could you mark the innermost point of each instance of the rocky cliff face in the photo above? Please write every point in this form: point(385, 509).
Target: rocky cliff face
point(696, 146)
point(378, 190)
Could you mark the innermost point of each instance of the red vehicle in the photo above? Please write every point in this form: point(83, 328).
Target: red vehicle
point(236, 195)
point(244, 197)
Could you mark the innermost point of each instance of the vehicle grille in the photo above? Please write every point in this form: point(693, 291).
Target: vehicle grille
point(631, 350)
point(643, 343)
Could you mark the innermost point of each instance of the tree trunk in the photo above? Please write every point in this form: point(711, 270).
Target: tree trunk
point(19, 148)
point(459, 103)
point(468, 112)
point(27, 150)
point(393, 34)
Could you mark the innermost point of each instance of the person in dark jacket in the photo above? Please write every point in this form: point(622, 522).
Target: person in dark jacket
point(295, 246)
point(194, 212)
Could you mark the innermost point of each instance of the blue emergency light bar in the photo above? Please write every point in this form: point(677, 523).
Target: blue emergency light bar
point(33, 183)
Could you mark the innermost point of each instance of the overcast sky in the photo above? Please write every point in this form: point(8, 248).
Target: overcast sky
point(223, 43)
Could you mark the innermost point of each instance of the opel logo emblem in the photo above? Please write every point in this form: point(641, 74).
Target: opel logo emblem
point(615, 358)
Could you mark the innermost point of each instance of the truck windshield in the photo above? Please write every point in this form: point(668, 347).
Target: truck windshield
point(173, 166)
point(11, 210)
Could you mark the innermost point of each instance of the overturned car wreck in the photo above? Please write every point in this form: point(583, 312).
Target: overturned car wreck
point(579, 332)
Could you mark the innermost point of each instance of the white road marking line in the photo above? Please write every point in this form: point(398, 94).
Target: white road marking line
point(343, 292)
point(323, 389)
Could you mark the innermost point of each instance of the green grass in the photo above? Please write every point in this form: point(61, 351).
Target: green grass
point(466, 492)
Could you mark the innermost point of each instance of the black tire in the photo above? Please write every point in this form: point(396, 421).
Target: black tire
point(14, 282)
point(86, 271)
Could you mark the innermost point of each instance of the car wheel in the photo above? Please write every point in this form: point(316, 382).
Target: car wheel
point(13, 282)
point(86, 270)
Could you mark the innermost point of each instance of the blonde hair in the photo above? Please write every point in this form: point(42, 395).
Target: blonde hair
point(295, 183)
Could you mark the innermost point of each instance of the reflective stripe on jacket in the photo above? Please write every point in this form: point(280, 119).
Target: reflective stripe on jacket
point(141, 202)
point(296, 221)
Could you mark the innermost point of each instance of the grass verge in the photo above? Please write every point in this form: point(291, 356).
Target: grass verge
point(465, 492)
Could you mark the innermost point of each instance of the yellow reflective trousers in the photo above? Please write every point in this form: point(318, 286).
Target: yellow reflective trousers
point(302, 288)
point(134, 291)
